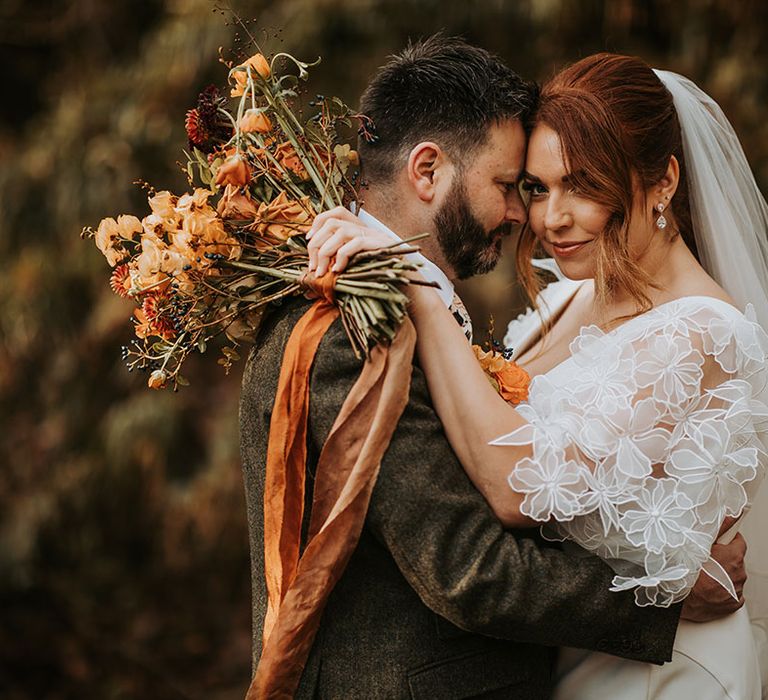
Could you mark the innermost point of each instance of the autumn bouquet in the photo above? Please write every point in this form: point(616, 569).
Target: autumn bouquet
point(209, 262)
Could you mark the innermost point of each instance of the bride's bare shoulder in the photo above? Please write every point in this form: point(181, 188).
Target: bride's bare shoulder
point(699, 285)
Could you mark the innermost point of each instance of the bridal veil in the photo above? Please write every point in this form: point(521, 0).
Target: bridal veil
point(730, 222)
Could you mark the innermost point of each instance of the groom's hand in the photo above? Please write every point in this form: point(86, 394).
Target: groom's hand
point(709, 600)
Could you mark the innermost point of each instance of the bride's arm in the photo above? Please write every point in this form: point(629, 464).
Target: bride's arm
point(471, 411)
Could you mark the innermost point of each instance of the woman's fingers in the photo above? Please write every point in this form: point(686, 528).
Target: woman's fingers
point(346, 251)
point(329, 248)
point(339, 213)
point(338, 233)
point(318, 239)
point(333, 238)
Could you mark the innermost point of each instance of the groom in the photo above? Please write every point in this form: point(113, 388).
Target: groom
point(438, 600)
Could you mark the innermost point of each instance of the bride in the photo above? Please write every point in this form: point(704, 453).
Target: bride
point(645, 435)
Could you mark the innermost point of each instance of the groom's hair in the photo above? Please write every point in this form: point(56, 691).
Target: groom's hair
point(439, 89)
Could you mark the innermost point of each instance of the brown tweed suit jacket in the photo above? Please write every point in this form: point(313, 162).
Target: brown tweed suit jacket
point(438, 600)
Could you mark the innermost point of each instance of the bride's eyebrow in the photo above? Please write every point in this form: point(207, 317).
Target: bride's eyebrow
point(527, 177)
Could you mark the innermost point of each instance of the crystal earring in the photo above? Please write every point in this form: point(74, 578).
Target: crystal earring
point(661, 222)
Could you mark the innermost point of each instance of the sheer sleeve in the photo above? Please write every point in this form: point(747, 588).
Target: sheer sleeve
point(645, 439)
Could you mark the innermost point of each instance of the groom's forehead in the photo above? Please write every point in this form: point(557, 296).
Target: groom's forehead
point(504, 148)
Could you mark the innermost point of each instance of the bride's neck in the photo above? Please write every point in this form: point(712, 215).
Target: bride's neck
point(669, 265)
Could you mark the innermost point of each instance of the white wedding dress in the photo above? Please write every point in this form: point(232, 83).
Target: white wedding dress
point(642, 441)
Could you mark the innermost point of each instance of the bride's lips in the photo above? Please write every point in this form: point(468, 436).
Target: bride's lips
point(566, 250)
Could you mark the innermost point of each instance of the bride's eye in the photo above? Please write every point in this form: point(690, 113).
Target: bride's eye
point(534, 189)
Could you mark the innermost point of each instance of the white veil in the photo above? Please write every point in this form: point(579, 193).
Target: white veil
point(730, 222)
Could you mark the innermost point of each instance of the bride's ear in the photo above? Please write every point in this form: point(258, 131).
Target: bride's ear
point(665, 189)
point(428, 170)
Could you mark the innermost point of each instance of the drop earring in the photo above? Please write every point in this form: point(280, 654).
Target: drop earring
point(661, 222)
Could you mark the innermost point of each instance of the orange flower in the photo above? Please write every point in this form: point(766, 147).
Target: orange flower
point(163, 204)
point(192, 202)
point(283, 218)
point(255, 120)
point(233, 171)
point(111, 233)
point(286, 155)
point(513, 383)
point(158, 379)
point(236, 204)
point(151, 264)
point(258, 64)
point(163, 217)
point(507, 377)
point(142, 327)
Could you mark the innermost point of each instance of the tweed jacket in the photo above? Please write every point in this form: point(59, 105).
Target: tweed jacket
point(438, 600)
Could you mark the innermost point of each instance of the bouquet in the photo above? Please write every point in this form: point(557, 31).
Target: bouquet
point(209, 262)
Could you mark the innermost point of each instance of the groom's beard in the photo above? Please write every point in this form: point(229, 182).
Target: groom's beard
point(467, 247)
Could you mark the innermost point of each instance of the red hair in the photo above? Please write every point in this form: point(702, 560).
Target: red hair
point(618, 128)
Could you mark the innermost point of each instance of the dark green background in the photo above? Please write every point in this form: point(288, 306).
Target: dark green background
point(123, 552)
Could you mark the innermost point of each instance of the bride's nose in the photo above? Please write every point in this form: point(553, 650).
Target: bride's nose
point(557, 215)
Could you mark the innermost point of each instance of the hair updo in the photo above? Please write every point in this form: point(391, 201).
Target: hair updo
point(618, 128)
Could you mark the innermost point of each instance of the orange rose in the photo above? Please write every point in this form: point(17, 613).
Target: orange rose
point(286, 155)
point(255, 120)
point(236, 204)
point(233, 171)
point(507, 377)
point(513, 382)
point(258, 64)
point(283, 218)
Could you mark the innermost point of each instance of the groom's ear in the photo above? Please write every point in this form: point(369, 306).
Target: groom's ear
point(429, 170)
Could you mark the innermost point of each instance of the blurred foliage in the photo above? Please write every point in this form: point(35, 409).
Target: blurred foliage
point(123, 541)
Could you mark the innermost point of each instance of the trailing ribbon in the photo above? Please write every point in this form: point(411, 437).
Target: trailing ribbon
point(298, 586)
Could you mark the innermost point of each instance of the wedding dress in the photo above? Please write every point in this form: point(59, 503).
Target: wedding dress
point(642, 441)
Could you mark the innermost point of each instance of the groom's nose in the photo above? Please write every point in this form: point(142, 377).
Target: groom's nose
point(516, 213)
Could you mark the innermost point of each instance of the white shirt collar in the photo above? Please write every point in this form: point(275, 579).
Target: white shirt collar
point(429, 271)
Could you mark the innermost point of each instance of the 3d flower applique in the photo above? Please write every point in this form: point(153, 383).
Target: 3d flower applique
point(553, 485)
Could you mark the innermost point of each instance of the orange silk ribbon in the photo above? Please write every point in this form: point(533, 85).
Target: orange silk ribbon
point(298, 586)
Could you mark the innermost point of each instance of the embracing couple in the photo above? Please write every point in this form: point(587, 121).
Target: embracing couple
point(645, 433)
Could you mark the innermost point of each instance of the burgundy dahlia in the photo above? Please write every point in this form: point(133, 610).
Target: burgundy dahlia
point(207, 128)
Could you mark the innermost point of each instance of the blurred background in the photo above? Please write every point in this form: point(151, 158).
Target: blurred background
point(123, 548)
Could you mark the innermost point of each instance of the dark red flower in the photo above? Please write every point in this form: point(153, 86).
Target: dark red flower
point(155, 309)
point(120, 280)
point(195, 128)
point(206, 127)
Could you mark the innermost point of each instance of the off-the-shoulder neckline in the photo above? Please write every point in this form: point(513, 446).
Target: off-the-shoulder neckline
point(711, 301)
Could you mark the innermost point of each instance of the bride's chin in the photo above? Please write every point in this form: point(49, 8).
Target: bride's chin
point(576, 271)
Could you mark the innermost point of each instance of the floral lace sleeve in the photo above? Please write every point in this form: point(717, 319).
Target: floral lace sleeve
point(646, 438)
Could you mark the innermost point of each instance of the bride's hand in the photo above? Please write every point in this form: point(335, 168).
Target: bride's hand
point(339, 233)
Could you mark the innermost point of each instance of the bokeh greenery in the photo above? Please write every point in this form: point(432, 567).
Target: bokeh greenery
point(123, 545)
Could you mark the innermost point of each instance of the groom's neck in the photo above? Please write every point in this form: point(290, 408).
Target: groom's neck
point(396, 216)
